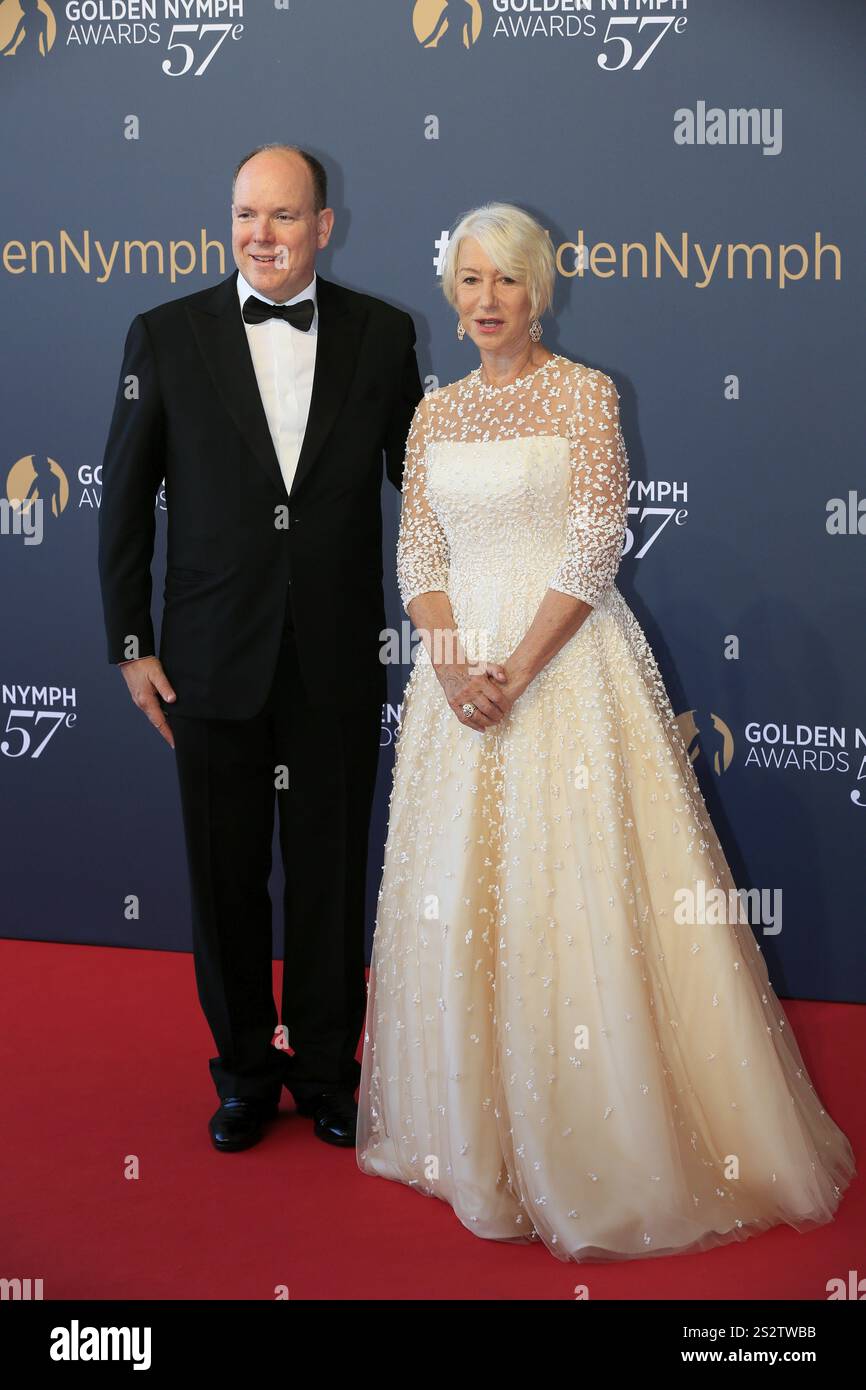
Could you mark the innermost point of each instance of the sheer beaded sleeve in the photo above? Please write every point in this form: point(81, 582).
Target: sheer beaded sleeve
point(422, 547)
point(598, 498)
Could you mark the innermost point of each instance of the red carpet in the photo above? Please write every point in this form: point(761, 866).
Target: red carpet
point(106, 1058)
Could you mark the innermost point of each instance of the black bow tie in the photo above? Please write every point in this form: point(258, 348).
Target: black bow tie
point(300, 315)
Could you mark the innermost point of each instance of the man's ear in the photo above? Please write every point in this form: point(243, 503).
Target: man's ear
point(325, 227)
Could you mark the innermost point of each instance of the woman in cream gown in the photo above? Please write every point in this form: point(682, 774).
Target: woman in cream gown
point(549, 1048)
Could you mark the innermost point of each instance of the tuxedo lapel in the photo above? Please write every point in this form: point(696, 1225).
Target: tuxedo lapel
point(339, 335)
point(219, 330)
point(222, 338)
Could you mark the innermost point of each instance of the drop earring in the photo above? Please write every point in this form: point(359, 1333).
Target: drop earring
point(535, 330)
point(461, 331)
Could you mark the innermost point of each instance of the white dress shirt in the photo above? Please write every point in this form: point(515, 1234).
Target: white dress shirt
point(284, 359)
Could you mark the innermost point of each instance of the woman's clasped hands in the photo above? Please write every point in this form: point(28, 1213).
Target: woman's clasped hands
point(490, 687)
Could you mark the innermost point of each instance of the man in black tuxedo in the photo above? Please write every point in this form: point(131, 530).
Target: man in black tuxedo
point(265, 402)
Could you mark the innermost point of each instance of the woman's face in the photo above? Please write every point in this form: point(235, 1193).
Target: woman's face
point(493, 307)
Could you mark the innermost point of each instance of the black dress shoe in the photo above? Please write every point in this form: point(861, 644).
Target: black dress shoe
point(335, 1116)
point(239, 1122)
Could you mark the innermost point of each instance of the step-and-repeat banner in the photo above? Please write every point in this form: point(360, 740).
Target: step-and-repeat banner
point(698, 165)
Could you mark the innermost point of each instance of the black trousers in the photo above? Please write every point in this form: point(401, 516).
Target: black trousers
point(232, 774)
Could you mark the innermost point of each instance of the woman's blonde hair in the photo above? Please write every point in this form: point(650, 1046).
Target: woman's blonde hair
point(516, 244)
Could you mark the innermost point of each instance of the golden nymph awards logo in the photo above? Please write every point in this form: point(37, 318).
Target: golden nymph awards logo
point(447, 23)
point(27, 27)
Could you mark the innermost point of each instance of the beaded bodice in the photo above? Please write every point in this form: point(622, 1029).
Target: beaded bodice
point(512, 490)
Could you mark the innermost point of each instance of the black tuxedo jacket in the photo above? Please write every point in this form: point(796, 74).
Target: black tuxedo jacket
point(239, 548)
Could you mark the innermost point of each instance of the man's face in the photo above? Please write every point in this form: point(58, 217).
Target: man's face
point(275, 230)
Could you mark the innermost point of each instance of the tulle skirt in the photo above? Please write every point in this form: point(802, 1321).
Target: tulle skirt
point(571, 1035)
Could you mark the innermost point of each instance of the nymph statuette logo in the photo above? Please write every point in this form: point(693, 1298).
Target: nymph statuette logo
point(37, 478)
point(27, 27)
point(447, 23)
point(717, 745)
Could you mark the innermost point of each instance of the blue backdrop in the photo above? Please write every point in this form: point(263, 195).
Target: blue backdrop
point(698, 166)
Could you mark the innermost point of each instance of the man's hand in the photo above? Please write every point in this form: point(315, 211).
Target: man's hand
point(145, 680)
